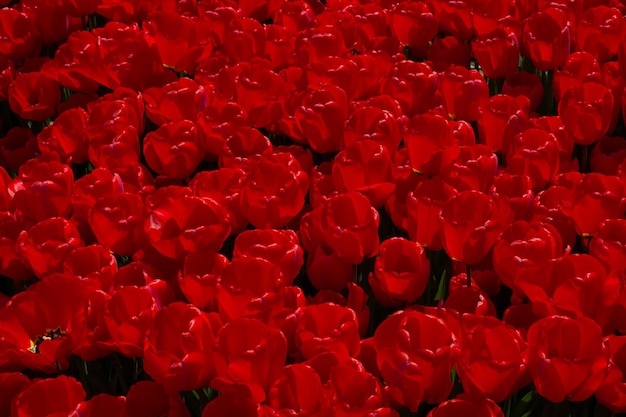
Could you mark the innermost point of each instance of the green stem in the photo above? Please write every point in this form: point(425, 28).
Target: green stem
point(119, 372)
point(547, 105)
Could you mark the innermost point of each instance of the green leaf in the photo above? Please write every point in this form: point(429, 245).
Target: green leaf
point(441, 291)
point(525, 406)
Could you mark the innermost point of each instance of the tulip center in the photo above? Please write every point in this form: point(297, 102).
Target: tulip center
point(48, 335)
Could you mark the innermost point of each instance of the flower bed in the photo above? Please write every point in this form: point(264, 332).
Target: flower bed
point(312, 208)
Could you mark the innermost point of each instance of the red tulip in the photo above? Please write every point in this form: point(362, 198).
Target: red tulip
point(254, 288)
point(260, 92)
point(102, 405)
point(227, 404)
point(314, 43)
point(612, 79)
point(601, 31)
point(33, 96)
point(578, 68)
point(608, 245)
point(20, 37)
point(432, 142)
point(66, 137)
point(148, 399)
point(218, 18)
point(137, 273)
point(42, 189)
point(244, 148)
point(223, 186)
point(497, 53)
point(373, 69)
point(128, 316)
point(586, 111)
point(115, 147)
point(466, 299)
point(47, 244)
point(326, 270)
point(216, 123)
point(248, 356)
point(474, 168)
point(200, 277)
point(612, 391)
point(320, 118)
point(123, 106)
point(535, 153)
point(273, 192)
point(327, 327)
point(412, 84)
point(94, 264)
point(176, 222)
point(331, 72)
point(546, 38)
point(464, 93)
point(50, 396)
point(17, 147)
point(424, 206)
point(11, 383)
point(12, 263)
point(174, 149)
point(364, 166)
point(77, 64)
point(357, 390)
point(280, 247)
point(181, 40)
point(117, 222)
point(415, 353)
point(471, 405)
point(294, 16)
point(279, 44)
point(177, 351)
point(607, 155)
point(413, 24)
point(244, 39)
point(469, 234)
point(516, 191)
point(38, 325)
point(491, 15)
point(98, 183)
point(566, 358)
point(500, 119)
point(454, 18)
point(372, 121)
point(183, 99)
point(405, 179)
point(401, 273)
point(7, 75)
point(349, 226)
point(547, 208)
point(525, 248)
point(128, 59)
point(574, 285)
point(565, 141)
point(298, 390)
point(595, 198)
point(491, 359)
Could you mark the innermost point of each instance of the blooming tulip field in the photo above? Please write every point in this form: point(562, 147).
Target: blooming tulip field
point(316, 208)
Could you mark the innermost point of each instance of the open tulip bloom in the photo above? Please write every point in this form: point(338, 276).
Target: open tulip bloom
point(312, 208)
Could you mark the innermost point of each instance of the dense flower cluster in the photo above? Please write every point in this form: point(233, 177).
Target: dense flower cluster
point(312, 208)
